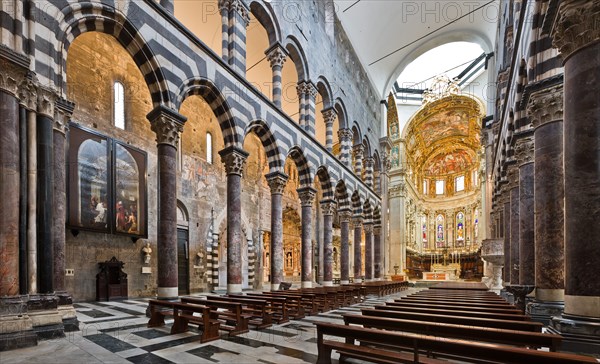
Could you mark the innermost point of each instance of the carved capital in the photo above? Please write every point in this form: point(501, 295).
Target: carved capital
point(524, 149)
point(345, 134)
point(277, 182)
point(240, 7)
point(329, 116)
point(46, 99)
point(328, 207)
point(369, 162)
point(62, 115)
point(513, 176)
point(307, 195)
point(358, 150)
point(167, 124)
point(377, 230)
point(357, 220)
point(276, 55)
point(546, 106)
point(345, 215)
point(368, 228)
point(233, 159)
point(11, 77)
point(577, 26)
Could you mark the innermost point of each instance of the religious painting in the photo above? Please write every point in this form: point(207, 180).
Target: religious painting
point(89, 176)
point(476, 225)
point(439, 222)
point(130, 182)
point(444, 124)
point(424, 231)
point(455, 162)
point(395, 157)
point(460, 229)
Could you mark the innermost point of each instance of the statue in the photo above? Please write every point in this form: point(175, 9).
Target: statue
point(147, 250)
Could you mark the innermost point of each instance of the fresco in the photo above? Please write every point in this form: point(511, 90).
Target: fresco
point(454, 162)
point(444, 124)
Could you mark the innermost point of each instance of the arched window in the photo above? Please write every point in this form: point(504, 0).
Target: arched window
point(119, 105)
point(460, 229)
point(424, 231)
point(439, 223)
point(460, 183)
point(209, 152)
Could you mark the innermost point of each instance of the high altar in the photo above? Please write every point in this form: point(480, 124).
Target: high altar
point(443, 272)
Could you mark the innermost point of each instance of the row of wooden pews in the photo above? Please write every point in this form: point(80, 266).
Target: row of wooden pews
point(436, 325)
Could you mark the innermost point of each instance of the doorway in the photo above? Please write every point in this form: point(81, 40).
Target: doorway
point(183, 258)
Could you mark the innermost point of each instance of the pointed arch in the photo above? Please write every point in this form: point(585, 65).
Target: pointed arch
point(78, 18)
point(341, 195)
point(274, 156)
point(304, 175)
point(298, 57)
point(232, 132)
point(326, 183)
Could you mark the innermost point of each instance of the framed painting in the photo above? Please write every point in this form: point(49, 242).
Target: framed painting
point(130, 190)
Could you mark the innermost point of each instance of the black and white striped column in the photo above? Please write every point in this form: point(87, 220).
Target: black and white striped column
point(224, 11)
point(239, 18)
point(328, 207)
point(368, 163)
point(358, 160)
point(302, 89)
point(329, 115)
point(311, 99)
point(276, 55)
point(345, 137)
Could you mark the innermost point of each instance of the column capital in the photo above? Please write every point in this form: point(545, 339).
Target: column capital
point(233, 159)
point(28, 92)
point(377, 229)
point(307, 195)
point(240, 7)
point(368, 227)
point(276, 55)
point(345, 134)
point(277, 182)
point(513, 176)
point(328, 207)
point(46, 99)
point(12, 75)
point(576, 26)
point(306, 88)
point(357, 220)
point(329, 115)
point(524, 150)
point(369, 162)
point(167, 124)
point(63, 111)
point(358, 149)
point(546, 105)
point(345, 215)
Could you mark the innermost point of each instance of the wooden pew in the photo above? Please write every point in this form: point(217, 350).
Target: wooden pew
point(485, 334)
point(278, 306)
point(303, 303)
point(232, 318)
point(392, 348)
point(460, 320)
point(455, 302)
point(477, 308)
point(183, 315)
point(435, 311)
point(258, 309)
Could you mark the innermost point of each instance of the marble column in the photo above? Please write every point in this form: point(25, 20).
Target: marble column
point(545, 110)
point(167, 124)
point(328, 207)
point(234, 159)
point(329, 115)
point(301, 89)
point(344, 215)
point(345, 137)
point(505, 218)
point(310, 104)
point(239, 18)
point(307, 198)
point(577, 35)
point(513, 188)
point(224, 11)
point(358, 160)
point(377, 251)
point(368, 227)
point(276, 55)
point(357, 222)
point(277, 182)
point(368, 162)
point(524, 154)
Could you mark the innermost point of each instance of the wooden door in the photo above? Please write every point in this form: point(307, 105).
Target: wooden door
point(183, 258)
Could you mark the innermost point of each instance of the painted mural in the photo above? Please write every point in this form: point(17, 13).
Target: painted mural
point(451, 163)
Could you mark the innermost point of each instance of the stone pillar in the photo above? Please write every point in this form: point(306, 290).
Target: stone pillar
point(513, 188)
point(345, 137)
point(524, 154)
point(545, 110)
point(357, 221)
point(505, 214)
point(329, 115)
point(224, 11)
point(276, 55)
point(239, 18)
point(358, 160)
point(45, 201)
point(307, 198)
point(328, 207)
point(234, 159)
point(385, 205)
point(301, 90)
point(167, 124)
point(345, 216)
point(377, 251)
point(368, 226)
point(577, 35)
point(311, 100)
point(368, 162)
point(277, 182)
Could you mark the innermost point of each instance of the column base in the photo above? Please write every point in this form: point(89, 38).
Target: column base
point(543, 312)
point(67, 312)
point(234, 288)
point(519, 292)
point(16, 327)
point(274, 286)
point(358, 280)
point(168, 293)
point(580, 334)
point(327, 283)
point(159, 297)
point(344, 282)
point(306, 284)
point(45, 317)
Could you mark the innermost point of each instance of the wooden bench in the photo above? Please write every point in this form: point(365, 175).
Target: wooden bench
point(477, 308)
point(258, 309)
point(230, 314)
point(183, 315)
point(436, 311)
point(455, 302)
point(485, 334)
point(296, 307)
point(391, 344)
point(460, 320)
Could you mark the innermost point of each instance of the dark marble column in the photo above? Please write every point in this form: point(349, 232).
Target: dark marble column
point(277, 182)
point(505, 218)
point(167, 124)
point(9, 189)
point(345, 216)
point(513, 188)
point(368, 226)
point(328, 207)
point(234, 159)
point(357, 221)
point(377, 252)
point(545, 110)
point(577, 35)
point(45, 190)
point(524, 154)
point(307, 198)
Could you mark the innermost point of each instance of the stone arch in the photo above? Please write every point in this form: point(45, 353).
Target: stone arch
point(377, 216)
point(262, 131)
point(368, 211)
point(210, 93)
point(356, 134)
point(304, 174)
point(325, 90)
point(340, 108)
point(78, 18)
point(265, 16)
point(341, 195)
point(183, 216)
point(297, 56)
point(367, 146)
point(326, 184)
point(356, 204)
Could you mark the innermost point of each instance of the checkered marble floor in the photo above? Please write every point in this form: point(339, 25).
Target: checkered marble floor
point(116, 332)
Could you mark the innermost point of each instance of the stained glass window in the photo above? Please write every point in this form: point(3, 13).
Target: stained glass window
point(439, 223)
point(460, 229)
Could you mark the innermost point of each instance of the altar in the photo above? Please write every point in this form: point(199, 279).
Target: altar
point(443, 272)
